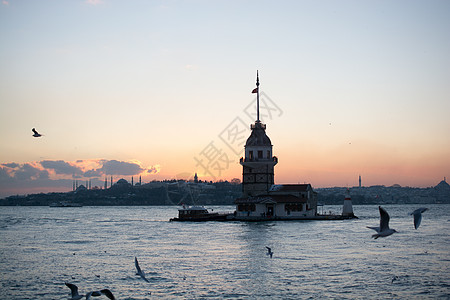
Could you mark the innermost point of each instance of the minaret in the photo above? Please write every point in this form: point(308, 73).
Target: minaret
point(106, 182)
point(359, 180)
point(195, 178)
point(140, 181)
point(111, 180)
point(258, 163)
point(132, 184)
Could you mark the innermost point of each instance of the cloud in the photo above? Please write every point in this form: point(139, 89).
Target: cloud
point(115, 167)
point(4, 2)
point(4, 174)
point(11, 165)
point(58, 175)
point(92, 168)
point(93, 173)
point(154, 169)
point(29, 172)
point(58, 169)
point(61, 167)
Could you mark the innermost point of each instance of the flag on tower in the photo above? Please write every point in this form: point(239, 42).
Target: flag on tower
point(255, 91)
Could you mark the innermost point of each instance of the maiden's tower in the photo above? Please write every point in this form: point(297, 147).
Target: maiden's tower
point(261, 198)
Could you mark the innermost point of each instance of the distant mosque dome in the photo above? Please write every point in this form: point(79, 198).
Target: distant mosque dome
point(81, 188)
point(122, 182)
point(258, 137)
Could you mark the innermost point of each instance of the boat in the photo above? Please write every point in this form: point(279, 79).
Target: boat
point(199, 213)
point(65, 204)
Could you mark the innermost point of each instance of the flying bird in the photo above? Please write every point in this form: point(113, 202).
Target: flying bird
point(269, 252)
point(138, 269)
point(35, 133)
point(418, 216)
point(93, 294)
point(74, 289)
point(383, 230)
point(76, 296)
point(105, 292)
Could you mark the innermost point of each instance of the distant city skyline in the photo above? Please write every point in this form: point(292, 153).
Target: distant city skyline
point(162, 89)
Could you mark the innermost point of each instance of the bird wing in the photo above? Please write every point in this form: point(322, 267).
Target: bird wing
point(268, 249)
point(384, 219)
point(136, 263)
point(417, 220)
point(73, 288)
point(34, 131)
point(377, 229)
point(108, 294)
point(419, 211)
point(138, 270)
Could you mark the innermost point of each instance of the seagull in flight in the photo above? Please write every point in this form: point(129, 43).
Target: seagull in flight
point(269, 252)
point(75, 296)
point(105, 292)
point(384, 229)
point(138, 269)
point(35, 133)
point(74, 289)
point(418, 216)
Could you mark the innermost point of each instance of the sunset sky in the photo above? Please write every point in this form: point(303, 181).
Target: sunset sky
point(162, 89)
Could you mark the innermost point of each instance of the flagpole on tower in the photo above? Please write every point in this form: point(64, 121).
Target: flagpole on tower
point(257, 96)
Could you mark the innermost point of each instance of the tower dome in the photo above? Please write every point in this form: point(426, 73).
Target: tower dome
point(258, 137)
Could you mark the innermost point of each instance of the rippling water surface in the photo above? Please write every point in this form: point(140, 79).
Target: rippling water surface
point(94, 248)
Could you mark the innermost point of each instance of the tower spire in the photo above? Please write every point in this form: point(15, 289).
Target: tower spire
point(257, 96)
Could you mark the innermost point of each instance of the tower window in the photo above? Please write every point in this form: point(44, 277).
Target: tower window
point(250, 155)
point(260, 154)
point(268, 153)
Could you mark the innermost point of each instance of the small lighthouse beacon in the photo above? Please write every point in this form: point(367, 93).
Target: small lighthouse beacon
point(258, 163)
point(347, 209)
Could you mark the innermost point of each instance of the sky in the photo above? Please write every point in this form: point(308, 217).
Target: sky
point(162, 90)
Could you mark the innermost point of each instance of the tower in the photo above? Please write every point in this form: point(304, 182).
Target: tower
point(359, 180)
point(258, 163)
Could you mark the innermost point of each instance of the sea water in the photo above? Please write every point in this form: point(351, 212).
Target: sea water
point(94, 248)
